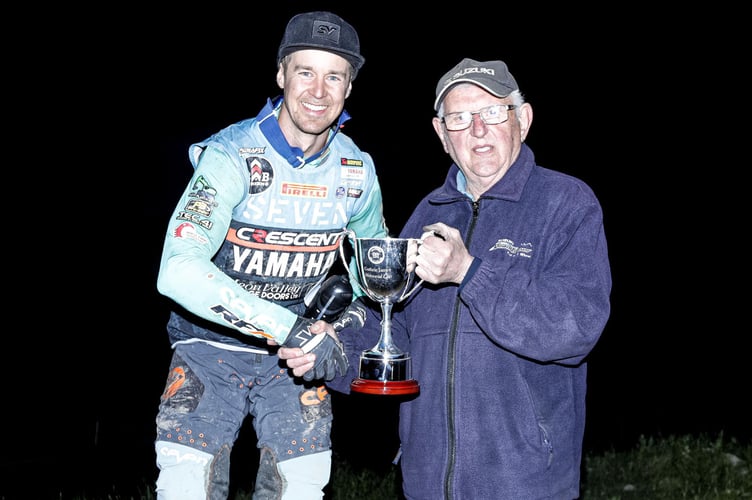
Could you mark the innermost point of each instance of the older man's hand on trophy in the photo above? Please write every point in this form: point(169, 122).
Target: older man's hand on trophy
point(443, 256)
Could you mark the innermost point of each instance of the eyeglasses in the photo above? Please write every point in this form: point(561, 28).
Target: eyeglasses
point(491, 115)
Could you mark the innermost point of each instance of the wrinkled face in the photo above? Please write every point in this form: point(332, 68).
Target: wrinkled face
point(483, 152)
point(316, 84)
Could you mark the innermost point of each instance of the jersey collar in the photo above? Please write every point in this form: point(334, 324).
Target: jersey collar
point(269, 125)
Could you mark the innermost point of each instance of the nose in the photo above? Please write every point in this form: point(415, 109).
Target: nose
point(478, 126)
point(317, 87)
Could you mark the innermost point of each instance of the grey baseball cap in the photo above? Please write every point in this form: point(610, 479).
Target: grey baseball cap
point(493, 76)
point(322, 30)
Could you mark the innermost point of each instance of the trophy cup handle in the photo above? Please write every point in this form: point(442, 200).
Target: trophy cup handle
point(349, 233)
point(415, 285)
point(406, 294)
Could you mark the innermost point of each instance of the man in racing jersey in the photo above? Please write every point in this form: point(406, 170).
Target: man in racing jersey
point(255, 232)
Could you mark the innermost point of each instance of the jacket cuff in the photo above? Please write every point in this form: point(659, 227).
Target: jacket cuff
point(470, 273)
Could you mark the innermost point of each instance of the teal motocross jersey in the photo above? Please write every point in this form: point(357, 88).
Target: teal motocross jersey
point(258, 226)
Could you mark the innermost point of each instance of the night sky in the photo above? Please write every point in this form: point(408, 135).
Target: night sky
point(617, 102)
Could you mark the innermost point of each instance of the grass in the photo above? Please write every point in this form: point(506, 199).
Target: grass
point(675, 468)
point(681, 467)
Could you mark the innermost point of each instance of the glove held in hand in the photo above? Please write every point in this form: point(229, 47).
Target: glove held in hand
point(331, 360)
point(353, 317)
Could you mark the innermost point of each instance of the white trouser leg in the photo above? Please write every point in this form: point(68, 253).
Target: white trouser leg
point(183, 472)
point(305, 477)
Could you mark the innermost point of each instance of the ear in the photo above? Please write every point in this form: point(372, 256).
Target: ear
point(526, 120)
point(439, 128)
point(349, 89)
point(281, 77)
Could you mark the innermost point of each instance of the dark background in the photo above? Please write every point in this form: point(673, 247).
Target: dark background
point(640, 105)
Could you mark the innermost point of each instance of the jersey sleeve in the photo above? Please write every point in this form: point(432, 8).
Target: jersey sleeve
point(195, 232)
point(368, 222)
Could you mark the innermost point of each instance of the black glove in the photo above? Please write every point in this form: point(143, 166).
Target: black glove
point(331, 360)
point(353, 317)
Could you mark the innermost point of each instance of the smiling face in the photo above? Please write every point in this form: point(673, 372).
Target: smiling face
point(483, 152)
point(315, 84)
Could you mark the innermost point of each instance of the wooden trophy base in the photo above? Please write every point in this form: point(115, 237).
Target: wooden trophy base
point(385, 388)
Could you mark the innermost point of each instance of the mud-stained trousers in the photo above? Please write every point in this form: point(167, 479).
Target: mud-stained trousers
point(209, 392)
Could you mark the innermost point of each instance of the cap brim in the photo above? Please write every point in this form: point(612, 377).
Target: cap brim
point(482, 85)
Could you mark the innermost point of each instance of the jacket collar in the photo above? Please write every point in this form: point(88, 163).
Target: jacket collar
point(510, 186)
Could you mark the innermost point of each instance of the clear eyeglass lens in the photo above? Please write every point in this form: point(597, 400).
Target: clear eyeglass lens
point(491, 115)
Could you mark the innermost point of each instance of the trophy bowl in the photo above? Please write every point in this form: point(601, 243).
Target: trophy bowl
point(383, 275)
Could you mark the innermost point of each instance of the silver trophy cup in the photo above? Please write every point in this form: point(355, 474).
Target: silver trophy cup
point(382, 273)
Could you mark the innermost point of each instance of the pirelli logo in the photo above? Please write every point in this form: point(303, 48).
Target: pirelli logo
point(304, 190)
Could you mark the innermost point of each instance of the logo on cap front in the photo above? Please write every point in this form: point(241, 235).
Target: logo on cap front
point(460, 74)
point(328, 31)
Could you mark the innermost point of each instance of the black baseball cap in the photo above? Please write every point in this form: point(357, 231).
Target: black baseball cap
point(322, 30)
